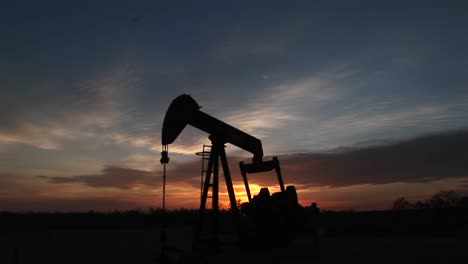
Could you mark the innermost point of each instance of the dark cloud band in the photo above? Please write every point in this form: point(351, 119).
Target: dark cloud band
point(421, 159)
point(111, 176)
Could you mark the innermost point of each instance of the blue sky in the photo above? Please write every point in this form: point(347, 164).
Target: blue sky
point(85, 87)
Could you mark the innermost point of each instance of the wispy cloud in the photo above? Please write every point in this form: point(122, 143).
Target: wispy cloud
point(140, 161)
point(21, 131)
point(86, 106)
point(286, 102)
point(378, 120)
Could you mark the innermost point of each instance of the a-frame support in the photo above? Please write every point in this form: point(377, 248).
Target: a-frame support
point(217, 155)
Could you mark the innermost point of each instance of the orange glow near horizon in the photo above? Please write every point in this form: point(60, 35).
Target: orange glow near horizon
point(78, 196)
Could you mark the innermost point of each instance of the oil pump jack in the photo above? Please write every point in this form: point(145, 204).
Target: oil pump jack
point(280, 211)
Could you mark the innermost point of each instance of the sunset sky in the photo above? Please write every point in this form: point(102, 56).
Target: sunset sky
point(362, 101)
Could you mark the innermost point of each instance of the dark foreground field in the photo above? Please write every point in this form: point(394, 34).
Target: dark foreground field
point(372, 237)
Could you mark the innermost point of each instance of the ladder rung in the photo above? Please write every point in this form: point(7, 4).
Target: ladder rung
point(203, 154)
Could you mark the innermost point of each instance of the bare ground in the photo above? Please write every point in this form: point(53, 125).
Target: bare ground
point(143, 246)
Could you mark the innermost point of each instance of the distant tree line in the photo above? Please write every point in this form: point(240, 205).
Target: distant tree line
point(440, 200)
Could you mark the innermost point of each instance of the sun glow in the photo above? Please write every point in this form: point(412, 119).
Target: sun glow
point(241, 193)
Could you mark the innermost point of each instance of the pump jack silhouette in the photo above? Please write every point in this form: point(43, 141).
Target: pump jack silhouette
point(262, 211)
